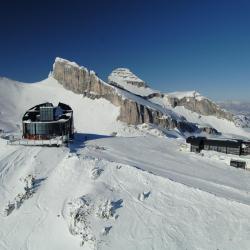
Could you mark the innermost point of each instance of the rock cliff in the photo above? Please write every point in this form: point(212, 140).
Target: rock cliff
point(191, 100)
point(133, 109)
point(199, 104)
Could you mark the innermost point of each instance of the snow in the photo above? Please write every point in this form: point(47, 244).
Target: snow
point(222, 125)
point(69, 63)
point(164, 110)
point(123, 76)
point(122, 207)
point(183, 94)
point(100, 114)
point(140, 189)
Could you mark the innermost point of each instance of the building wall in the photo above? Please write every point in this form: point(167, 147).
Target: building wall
point(47, 129)
point(223, 149)
point(195, 149)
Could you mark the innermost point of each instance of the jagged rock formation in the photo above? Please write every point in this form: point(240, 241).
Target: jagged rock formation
point(125, 79)
point(133, 109)
point(200, 105)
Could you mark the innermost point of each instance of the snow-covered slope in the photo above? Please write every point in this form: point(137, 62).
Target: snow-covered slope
point(143, 190)
point(96, 195)
point(91, 116)
point(191, 105)
point(224, 126)
point(241, 111)
point(183, 94)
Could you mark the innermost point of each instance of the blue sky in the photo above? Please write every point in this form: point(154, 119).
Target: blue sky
point(173, 45)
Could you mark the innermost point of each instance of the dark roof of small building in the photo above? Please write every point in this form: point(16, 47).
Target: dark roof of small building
point(222, 142)
point(33, 114)
point(196, 141)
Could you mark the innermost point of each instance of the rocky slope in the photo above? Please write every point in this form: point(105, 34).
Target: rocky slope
point(133, 109)
point(191, 100)
point(139, 103)
point(241, 111)
point(195, 102)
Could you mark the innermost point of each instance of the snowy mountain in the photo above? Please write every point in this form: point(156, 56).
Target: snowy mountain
point(134, 109)
point(140, 189)
point(195, 108)
point(125, 79)
point(241, 111)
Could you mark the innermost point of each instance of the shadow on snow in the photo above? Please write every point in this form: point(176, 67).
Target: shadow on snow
point(80, 139)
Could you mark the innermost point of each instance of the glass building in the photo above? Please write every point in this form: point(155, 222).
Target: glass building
point(45, 121)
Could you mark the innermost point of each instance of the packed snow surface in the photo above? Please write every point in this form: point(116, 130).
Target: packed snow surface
point(142, 189)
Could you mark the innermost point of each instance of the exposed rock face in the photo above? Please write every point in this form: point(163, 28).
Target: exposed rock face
point(195, 102)
point(124, 78)
point(80, 80)
point(201, 106)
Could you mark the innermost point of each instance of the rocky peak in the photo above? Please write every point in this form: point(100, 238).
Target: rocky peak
point(133, 108)
point(195, 102)
point(123, 76)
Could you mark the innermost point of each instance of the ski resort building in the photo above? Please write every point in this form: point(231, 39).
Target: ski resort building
point(227, 146)
point(44, 122)
point(196, 143)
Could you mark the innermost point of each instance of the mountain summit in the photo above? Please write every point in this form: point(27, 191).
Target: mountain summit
point(139, 103)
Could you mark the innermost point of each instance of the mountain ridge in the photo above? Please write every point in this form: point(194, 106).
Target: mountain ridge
point(137, 101)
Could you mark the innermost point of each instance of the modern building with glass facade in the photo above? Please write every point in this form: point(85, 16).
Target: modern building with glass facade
point(45, 121)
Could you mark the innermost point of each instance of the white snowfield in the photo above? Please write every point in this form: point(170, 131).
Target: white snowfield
point(139, 190)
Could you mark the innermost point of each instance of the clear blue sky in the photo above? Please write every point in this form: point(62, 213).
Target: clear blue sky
point(172, 45)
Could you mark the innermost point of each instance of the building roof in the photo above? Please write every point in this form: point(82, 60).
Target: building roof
point(223, 142)
point(62, 112)
point(196, 141)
